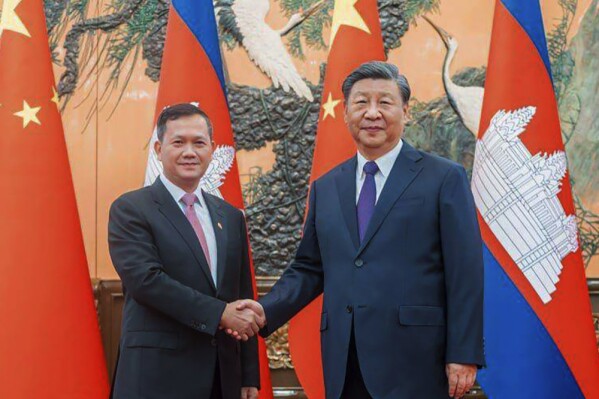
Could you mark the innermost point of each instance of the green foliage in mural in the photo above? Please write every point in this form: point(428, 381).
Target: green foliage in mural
point(414, 8)
point(130, 36)
point(557, 45)
point(311, 30)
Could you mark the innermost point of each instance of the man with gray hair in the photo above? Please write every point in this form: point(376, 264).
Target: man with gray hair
point(392, 240)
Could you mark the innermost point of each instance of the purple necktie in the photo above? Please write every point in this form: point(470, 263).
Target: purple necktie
point(189, 199)
point(367, 198)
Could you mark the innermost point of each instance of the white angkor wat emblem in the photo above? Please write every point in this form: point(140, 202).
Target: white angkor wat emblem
point(222, 160)
point(516, 194)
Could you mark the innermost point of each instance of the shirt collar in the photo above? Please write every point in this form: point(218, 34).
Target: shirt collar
point(177, 192)
point(385, 163)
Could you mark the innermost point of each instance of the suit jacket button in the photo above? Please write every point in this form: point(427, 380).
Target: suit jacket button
point(213, 342)
point(359, 263)
point(349, 308)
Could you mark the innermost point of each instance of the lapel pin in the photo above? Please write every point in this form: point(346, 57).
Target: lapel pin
point(220, 226)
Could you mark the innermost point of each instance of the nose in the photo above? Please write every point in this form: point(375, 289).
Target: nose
point(188, 151)
point(372, 112)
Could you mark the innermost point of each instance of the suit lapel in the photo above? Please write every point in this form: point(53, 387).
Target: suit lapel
point(219, 226)
point(346, 189)
point(405, 169)
point(171, 210)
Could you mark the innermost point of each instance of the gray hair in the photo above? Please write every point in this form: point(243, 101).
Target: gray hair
point(377, 70)
point(177, 111)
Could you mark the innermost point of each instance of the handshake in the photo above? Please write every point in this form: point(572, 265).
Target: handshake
point(243, 319)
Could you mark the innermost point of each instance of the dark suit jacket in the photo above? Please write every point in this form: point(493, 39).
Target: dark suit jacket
point(170, 339)
point(413, 288)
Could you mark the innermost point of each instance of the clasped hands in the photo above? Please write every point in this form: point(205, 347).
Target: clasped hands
point(243, 319)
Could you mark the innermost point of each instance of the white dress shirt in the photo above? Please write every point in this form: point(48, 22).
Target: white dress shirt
point(385, 164)
point(203, 215)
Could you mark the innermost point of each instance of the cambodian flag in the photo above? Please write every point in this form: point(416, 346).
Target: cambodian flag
point(539, 337)
point(192, 71)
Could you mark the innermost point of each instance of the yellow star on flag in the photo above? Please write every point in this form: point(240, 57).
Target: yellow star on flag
point(55, 98)
point(28, 114)
point(329, 106)
point(345, 13)
point(10, 20)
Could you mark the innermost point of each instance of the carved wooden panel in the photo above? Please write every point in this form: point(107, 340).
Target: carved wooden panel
point(110, 300)
point(593, 284)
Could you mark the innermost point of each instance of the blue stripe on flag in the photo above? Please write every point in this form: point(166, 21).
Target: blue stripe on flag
point(522, 358)
point(528, 15)
point(198, 15)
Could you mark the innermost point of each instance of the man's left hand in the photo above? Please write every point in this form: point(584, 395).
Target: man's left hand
point(460, 377)
point(249, 393)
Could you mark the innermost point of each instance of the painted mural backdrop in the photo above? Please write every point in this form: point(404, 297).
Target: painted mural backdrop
point(108, 54)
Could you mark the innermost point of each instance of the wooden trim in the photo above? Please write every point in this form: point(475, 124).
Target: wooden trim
point(110, 300)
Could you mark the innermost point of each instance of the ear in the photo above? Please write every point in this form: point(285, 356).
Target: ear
point(345, 112)
point(212, 148)
point(158, 149)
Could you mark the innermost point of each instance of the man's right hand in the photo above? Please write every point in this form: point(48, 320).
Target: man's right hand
point(241, 322)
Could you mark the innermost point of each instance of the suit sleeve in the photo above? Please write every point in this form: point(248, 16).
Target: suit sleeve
point(301, 282)
point(250, 367)
point(462, 257)
point(138, 263)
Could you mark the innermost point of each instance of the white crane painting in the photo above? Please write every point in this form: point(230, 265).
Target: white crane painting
point(265, 46)
point(466, 101)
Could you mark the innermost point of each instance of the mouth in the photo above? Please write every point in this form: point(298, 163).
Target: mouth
point(189, 164)
point(372, 129)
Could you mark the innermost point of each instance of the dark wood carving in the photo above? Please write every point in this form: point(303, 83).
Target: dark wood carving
point(593, 284)
point(109, 297)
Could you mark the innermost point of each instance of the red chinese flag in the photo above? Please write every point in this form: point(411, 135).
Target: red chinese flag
point(192, 71)
point(50, 344)
point(355, 39)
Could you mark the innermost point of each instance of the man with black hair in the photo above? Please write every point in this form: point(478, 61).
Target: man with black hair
point(183, 259)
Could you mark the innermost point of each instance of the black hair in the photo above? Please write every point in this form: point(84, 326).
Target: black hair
point(177, 111)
